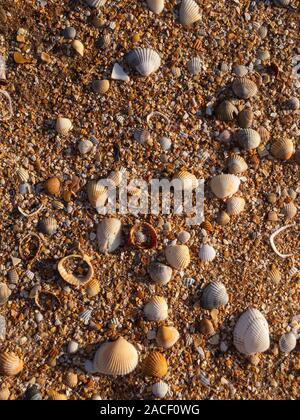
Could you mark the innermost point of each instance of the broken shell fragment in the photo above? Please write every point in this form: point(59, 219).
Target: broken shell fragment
point(109, 235)
point(156, 309)
point(214, 295)
point(10, 364)
point(224, 185)
point(166, 336)
point(30, 246)
point(178, 256)
point(63, 126)
point(156, 6)
point(56, 396)
point(185, 181)
point(2, 70)
point(23, 174)
point(78, 47)
point(283, 149)
point(275, 274)
point(95, 3)
point(273, 236)
point(145, 60)
point(143, 236)
point(244, 88)
point(287, 342)
point(206, 327)
point(93, 288)
point(4, 294)
point(74, 274)
point(189, 12)
point(235, 205)
point(118, 73)
point(155, 365)
point(160, 273)
point(207, 253)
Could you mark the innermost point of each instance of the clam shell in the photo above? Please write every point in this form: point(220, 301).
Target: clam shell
point(95, 3)
point(160, 273)
point(143, 235)
point(251, 333)
point(178, 256)
point(145, 60)
point(188, 181)
point(290, 210)
point(56, 396)
point(118, 73)
point(72, 278)
point(189, 12)
point(4, 294)
point(226, 111)
point(78, 47)
point(93, 288)
point(13, 276)
point(195, 66)
point(244, 88)
point(214, 295)
point(245, 118)
point(23, 175)
point(224, 185)
point(97, 194)
point(155, 365)
point(63, 126)
point(282, 149)
point(236, 165)
point(223, 218)
point(85, 146)
point(275, 274)
point(109, 235)
point(248, 138)
point(142, 136)
point(264, 134)
point(116, 177)
point(116, 358)
point(240, 70)
point(272, 216)
point(160, 389)
point(156, 6)
point(287, 342)
point(100, 86)
point(4, 394)
point(235, 205)
point(166, 336)
point(156, 309)
point(48, 226)
point(52, 186)
point(71, 379)
point(10, 364)
point(207, 253)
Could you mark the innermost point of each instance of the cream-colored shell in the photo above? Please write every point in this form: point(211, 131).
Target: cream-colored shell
point(63, 126)
point(236, 165)
point(248, 138)
point(23, 174)
point(156, 6)
point(207, 253)
point(76, 279)
point(283, 149)
point(235, 205)
point(224, 185)
point(156, 309)
point(187, 181)
point(178, 256)
point(226, 111)
point(97, 194)
point(160, 273)
point(189, 12)
point(160, 389)
point(244, 88)
point(78, 47)
point(145, 60)
point(10, 364)
point(109, 235)
point(4, 294)
point(290, 210)
point(93, 288)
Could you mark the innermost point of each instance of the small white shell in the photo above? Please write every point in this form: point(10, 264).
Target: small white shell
point(160, 389)
point(78, 47)
point(145, 60)
point(156, 6)
point(251, 333)
point(63, 126)
point(287, 342)
point(109, 235)
point(118, 73)
point(207, 253)
point(224, 185)
point(248, 138)
point(160, 273)
point(195, 66)
point(235, 205)
point(214, 295)
point(95, 3)
point(189, 12)
point(290, 210)
point(85, 146)
point(236, 165)
point(156, 309)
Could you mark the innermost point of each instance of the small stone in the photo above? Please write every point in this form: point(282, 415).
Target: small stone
point(293, 104)
point(69, 33)
point(73, 347)
point(38, 317)
point(223, 346)
point(151, 334)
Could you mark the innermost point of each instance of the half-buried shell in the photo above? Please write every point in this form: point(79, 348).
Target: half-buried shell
point(156, 6)
point(63, 126)
point(226, 111)
point(145, 60)
point(109, 235)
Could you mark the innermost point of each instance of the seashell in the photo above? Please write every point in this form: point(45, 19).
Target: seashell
point(109, 235)
point(207, 253)
point(2, 70)
point(71, 379)
point(86, 316)
point(8, 110)
point(80, 279)
point(293, 103)
point(187, 181)
point(85, 146)
point(275, 274)
point(160, 273)
point(240, 70)
point(264, 134)
point(63, 126)
point(263, 55)
point(176, 71)
point(116, 358)
point(290, 210)
point(244, 88)
point(206, 225)
point(236, 165)
point(262, 31)
point(195, 66)
point(46, 300)
point(166, 336)
point(251, 333)
point(93, 288)
point(48, 226)
point(235, 205)
point(145, 60)
point(156, 6)
point(32, 213)
point(245, 118)
point(29, 275)
point(4, 294)
point(78, 47)
point(118, 73)
point(95, 3)
point(30, 246)
point(273, 236)
point(52, 186)
point(282, 149)
point(160, 389)
point(287, 342)
point(23, 174)
point(101, 86)
point(156, 309)
point(4, 394)
point(183, 236)
point(143, 236)
point(189, 12)
point(272, 216)
point(155, 365)
point(214, 295)
point(223, 218)
point(56, 396)
point(224, 185)
point(248, 138)
point(204, 380)
point(143, 137)
point(10, 364)
point(226, 111)
point(97, 194)
point(178, 256)
point(2, 327)
point(206, 327)
point(13, 276)
point(165, 143)
point(116, 177)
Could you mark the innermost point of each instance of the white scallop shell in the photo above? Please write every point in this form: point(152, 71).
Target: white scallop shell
point(4, 293)
point(287, 342)
point(207, 253)
point(156, 309)
point(109, 235)
point(178, 256)
point(214, 295)
point(95, 3)
point(63, 125)
point(156, 6)
point(236, 164)
point(251, 333)
point(118, 73)
point(189, 12)
point(160, 273)
point(144, 60)
point(248, 138)
point(290, 210)
point(97, 194)
point(186, 181)
point(160, 389)
point(195, 66)
point(224, 185)
point(2, 68)
point(235, 205)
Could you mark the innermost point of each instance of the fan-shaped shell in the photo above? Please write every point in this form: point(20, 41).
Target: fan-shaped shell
point(156, 6)
point(116, 177)
point(48, 226)
point(116, 358)
point(189, 12)
point(155, 365)
point(13, 276)
point(23, 174)
point(226, 111)
point(72, 278)
point(4, 293)
point(207, 253)
point(166, 336)
point(245, 118)
point(290, 210)
point(287, 342)
point(195, 65)
point(93, 288)
point(251, 333)
point(274, 274)
point(224, 185)
point(178, 256)
point(264, 134)
point(248, 138)
point(101, 86)
point(78, 47)
point(97, 194)
point(63, 126)
point(235, 205)
point(10, 364)
point(156, 309)
point(71, 379)
point(283, 149)
point(160, 273)
point(95, 3)
point(4, 394)
point(109, 235)
point(223, 218)
point(145, 60)
point(188, 181)
point(85, 146)
point(244, 88)
point(236, 165)
point(160, 389)
point(206, 327)
point(214, 295)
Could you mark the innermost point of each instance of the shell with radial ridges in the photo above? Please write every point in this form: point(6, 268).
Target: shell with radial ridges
point(178, 256)
point(109, 235)
point(160, 273)
point(155, 365)
point(156, 309)
point(248, 138)
point(195, 66)
point(160, 389)
point(236, 165)
point(214, 296)
point(287, 342)
point(235, 205)
point(207, 253)
point(166, 336)
point(156, 6)
point(189, 12)
point(244, 88)
point(224, 185)
point(145, 60)
point(10, 364)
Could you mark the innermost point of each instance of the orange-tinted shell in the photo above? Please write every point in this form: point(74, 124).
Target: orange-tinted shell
point(147, 234)
point(155, 365)
point(10, 364)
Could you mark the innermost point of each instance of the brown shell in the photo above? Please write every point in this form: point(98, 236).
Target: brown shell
point(223, 218)
point(71, 379)
point(52, 186)
point(264, 134)
point(206, 327)
point(245, 118)
point(76, 279)
point(54, 395)
point(10, 364)
point(147, 233)
point(166, 336)
point(155, 365)
point(282, 149)
point(93, 288)
point(244, 88)
point(30, 246)
point(101, 86)
point(4, 294)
